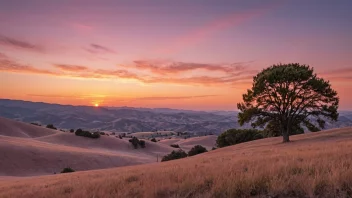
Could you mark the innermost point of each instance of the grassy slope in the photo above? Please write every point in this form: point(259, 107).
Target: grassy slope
point(313, 165)
point(186, 144)
point(28, 150)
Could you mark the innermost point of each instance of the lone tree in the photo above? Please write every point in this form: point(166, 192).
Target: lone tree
point(289, 95)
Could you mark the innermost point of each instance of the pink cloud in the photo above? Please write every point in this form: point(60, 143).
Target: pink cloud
point(204, 32)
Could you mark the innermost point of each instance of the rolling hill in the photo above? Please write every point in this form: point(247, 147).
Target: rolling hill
point(33, 150)
point(312, 165)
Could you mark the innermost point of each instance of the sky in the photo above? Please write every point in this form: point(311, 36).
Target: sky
point(199, 54)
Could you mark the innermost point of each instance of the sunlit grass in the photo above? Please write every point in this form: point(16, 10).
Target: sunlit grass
point(314, 165)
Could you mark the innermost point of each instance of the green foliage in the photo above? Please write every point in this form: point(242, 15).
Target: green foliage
point(153, 140)
point(67, 170)
point(236, 136)
point(175, 145)
point(198, 149)
point(289, 95)
point(272, 129)
point(80, 132)
point(51, 126)
point(174, 155)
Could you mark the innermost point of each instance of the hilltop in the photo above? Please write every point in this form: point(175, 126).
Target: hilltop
point(312, 165)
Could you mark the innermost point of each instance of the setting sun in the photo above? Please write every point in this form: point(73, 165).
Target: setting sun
point(96, 105)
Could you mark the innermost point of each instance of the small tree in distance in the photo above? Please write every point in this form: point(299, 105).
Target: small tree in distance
point(289, 95)
point(51, 126)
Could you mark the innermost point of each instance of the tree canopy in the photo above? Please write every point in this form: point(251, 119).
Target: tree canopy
point(289, 95)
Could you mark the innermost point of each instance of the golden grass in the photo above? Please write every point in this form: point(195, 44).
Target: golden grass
point(313, 165)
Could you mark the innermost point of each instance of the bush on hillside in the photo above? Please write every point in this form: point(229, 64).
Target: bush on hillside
point(135, 142)
point(72, 130)
point(153, 140)
point(80, 132)
point(141, 143)
point(34, 123)
point(175, 145)
point(174, 155)
point(51, 126)
point(198, 149)
point(67, 170)
point(236, 136)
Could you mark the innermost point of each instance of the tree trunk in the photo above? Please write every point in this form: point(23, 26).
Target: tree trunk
point(286, 136)
point(285, 131)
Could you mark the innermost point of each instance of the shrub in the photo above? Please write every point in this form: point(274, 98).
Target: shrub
point(102, 133)
point(174, 155)
point(67, 170)
point(95, 135)
point(214, 148)
point(80, 132)
point(198, 149)
point(120, 136)
point(34, 123)
point(175, 145)
point(72, 130)
point(51, 126)
point(135, 142)
point(236, 136)
point(142, 143)
point(153, 140)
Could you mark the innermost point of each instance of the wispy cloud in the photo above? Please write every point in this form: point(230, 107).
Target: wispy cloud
point(51, 96)
point(65, 70)
point(338, 74)
point(72, 68)
point(338, 71)
point(9, 65)
point(19, 44)
point(154, 98)
point(202, 33)
point(99, 49)
point(172, 67)
point(3, 56)
point(174, 97)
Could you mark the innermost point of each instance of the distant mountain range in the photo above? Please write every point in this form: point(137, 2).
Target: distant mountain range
point(128, 119)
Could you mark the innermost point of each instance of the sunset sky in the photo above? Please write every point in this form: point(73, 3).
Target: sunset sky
point(199, 54)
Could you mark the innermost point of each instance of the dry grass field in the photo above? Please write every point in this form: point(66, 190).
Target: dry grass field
point(312, 165)
point(186, 144)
